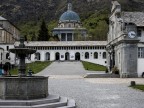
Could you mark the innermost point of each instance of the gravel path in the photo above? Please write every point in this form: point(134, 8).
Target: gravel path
point(92, 93)
point(64, 69)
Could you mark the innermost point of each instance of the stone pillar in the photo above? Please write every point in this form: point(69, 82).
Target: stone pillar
point(66, 37)
point(60, 37)
point(129, 68)
point(72, 36)
point(22, 66)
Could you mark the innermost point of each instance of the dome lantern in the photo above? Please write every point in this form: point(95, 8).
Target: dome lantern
point(69, 15)
point(69, 6)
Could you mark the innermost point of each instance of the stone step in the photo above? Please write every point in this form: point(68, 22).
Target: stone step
point(101, 75)
point(52, 101)
point(62, 102)
point(70, 104)
point(49, 99)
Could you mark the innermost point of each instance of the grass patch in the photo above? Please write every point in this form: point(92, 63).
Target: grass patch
point(138, 86)
point(35, 67)
point(93, 67)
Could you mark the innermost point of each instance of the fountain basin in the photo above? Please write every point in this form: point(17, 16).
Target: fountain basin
point(23, 88)
point(22, 51)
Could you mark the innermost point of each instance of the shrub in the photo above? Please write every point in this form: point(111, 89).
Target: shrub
point(106, 71)
point(115, 70)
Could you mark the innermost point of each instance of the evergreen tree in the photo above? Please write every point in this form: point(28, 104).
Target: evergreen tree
point(43, 32)
point(25, 37)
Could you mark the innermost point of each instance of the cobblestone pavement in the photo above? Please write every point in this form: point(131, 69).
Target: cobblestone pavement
point(96, 92)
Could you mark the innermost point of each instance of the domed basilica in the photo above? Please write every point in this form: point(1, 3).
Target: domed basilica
point(69, 26)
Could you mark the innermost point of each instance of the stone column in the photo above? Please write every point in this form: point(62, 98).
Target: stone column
point(72, 36)
point(60, 37)
point(22, 66)
point(129, 68)
point(66, 37)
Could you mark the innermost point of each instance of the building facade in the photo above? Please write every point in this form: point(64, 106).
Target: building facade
point(9, 34)
point(126, 41)
point(91, 51)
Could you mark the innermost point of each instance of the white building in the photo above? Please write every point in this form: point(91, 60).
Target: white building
point(91, 51)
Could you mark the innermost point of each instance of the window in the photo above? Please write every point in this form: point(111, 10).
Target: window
point(7, 48)
point(139, 33)
point(141, 52)
point(104, 55)
point(1, 56)
point(95, 55)
point(7, 56)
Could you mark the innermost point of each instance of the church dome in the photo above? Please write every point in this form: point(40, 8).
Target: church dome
point(69, 15)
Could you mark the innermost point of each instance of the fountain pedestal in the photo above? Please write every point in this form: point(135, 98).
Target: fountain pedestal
point(23, 88)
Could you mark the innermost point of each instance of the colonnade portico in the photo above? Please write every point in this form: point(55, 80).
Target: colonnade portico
point(91, 51)
point(66, 37)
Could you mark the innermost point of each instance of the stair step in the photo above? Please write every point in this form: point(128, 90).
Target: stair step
point(70, 104)
point(52, 101)
point(62, 102)
point(49, 99)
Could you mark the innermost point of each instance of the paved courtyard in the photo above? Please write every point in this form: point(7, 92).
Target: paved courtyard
point(66, 80)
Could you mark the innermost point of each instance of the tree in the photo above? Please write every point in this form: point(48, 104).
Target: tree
point(25, 37)
point(43, 32)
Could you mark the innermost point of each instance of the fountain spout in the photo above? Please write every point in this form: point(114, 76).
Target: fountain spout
point(22, 53)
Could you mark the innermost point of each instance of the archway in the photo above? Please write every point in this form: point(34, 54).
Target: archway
point(86, 55)
point(95, 55)
point(47, 56)
point(77, 56)
point(37, 56)
point(57, 56)
point(67, 56)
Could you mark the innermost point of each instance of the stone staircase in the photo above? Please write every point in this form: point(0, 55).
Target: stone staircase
point(52, 101)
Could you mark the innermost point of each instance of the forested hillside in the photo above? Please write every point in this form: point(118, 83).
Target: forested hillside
point(27, 14)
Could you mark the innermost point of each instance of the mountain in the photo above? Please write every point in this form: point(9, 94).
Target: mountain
point(28, 13)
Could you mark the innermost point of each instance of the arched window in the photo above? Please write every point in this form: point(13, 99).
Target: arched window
point(47, 56)
point(86, 55)
point(67, 56)
point(104, 55)
point(95, 55)
point(37, 56)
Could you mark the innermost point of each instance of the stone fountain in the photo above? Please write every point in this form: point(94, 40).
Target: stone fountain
point(23, 87)
point(24, 91)
point(22, 53)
